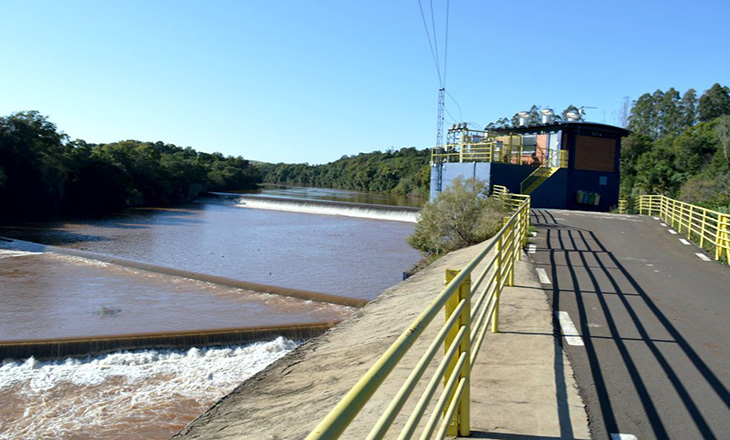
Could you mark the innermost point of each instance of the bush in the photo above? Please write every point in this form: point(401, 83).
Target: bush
point(460, 216)
point(708, 191)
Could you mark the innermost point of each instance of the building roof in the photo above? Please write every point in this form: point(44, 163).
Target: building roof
point(563, 125)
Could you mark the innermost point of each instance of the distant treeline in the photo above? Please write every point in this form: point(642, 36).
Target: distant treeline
point(679, 147)
point(44, 173)
point(403, 171)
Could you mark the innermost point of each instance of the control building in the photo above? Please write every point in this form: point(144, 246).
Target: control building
point(566, 165)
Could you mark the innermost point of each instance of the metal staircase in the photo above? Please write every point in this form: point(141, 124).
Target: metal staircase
point(536, 179)
point(541, 174)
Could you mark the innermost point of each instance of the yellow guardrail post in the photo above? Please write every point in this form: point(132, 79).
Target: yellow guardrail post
point(451, 413)
point(498, 283)
point(713, 227)
point(722, 242)
point(460, 423)
point(680, 217)
point(512, 255)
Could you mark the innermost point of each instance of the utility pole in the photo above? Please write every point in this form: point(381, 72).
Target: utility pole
point(440, 138)
point(440, 119)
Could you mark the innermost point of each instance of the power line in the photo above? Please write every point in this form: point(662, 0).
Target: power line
point(434, 55)
point(451, 116)
point(436, 44)
point(457, 105)
point(446, 44)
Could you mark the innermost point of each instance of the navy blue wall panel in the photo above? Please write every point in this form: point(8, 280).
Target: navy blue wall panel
point(510, 176)
point(552, 192)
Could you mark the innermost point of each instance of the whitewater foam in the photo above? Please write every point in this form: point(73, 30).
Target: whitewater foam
point(341, 210)
point(126, 394)
point(12, 253)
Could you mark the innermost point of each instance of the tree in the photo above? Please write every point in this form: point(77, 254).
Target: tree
point(643, 116)
point(723, 136)
point(532, 119)
point(669, 113)
point(624, 112)
point(688, 107)
point(499, 123)
point(714, 102)
point(32, 159)
point(564, 114)
point(460, 216)
point(42, 173)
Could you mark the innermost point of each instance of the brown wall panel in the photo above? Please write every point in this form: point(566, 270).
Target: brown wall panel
point(595, 154)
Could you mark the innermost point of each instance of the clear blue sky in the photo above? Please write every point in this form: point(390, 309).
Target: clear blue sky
point(310, 81)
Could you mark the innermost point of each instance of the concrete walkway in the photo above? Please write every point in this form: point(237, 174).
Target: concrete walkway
point(523, 385)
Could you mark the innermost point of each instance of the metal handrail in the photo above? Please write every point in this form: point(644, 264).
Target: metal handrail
point(622, 205)
point(469, 310)
point(706, 226)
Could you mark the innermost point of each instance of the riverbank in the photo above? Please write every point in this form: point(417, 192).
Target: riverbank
point(288, 399)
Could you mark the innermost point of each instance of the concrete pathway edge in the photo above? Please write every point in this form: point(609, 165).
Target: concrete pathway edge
point(522, 383)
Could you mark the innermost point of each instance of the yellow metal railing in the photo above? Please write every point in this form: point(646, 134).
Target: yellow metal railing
point(622, 205)
point(541, 174)
point(485, 147)
point(564, 158)
point(471, 308)
point(709, 228)
point(535, 179)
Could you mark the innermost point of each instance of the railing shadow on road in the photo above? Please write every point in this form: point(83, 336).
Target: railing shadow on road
point(575, 245)
point(504, 436)
point(561, 396)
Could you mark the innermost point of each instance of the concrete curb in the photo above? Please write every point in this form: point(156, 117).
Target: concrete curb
point(522, 382)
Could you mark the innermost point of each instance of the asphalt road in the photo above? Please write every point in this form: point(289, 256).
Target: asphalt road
point(653, 318)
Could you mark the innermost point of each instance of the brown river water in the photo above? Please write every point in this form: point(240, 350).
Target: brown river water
point(150, 394)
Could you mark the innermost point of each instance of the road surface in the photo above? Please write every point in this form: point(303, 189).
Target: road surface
point(651, 339)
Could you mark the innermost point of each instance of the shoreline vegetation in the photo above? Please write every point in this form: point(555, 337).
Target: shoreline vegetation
point(405, 171)
point(461, 215)
point(679, 147)
point(44, 174)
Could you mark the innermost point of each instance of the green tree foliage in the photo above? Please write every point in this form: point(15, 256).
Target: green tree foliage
point(714, 103)
point(405, 171)
point(460, 216)
point(690, 165)
point(688, 107)
point(42, 173)
point(670, 112)
point(663, 113)
point(564, 114)
point(722, 129)
point(708, 191)
point(32, 157)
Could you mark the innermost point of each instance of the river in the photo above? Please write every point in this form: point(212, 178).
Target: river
point(153, 393)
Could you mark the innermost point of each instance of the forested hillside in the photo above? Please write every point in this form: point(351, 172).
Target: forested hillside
point(43, 172)
point(679, 147)
point(403, 171)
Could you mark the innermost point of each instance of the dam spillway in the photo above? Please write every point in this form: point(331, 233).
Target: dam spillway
point(77, 301)
point(217, 238)
point(326, 207)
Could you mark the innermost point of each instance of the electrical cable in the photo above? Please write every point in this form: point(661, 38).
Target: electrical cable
point(436, 44)
point(451, 116)
point(434, 55)
point(457, 104)
point(446, 45)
